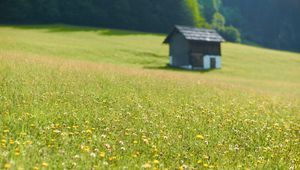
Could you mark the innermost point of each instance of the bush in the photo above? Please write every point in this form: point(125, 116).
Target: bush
point(230, 33)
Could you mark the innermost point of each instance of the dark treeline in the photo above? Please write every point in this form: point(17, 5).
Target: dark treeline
point(273, 23)
point(270, 23)
point(143, 15)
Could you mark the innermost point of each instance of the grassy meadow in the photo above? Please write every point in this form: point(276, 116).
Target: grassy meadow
point(87, 98)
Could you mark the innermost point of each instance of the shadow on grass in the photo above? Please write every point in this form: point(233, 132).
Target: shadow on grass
point(56, 28)
point(116, 32)
point(177, 69)
point(143, 53)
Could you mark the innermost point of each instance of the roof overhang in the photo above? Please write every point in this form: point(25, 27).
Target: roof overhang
point(168, 38)
point(195, 34)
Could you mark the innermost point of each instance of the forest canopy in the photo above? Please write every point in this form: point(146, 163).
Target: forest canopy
point(145, 15)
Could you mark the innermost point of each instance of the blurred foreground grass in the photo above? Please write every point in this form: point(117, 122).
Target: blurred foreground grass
point(81, 98)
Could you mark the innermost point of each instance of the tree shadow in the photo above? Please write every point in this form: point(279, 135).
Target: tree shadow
point(56, 28)
point(116, 32)
point(143, 53)
point(168, 67)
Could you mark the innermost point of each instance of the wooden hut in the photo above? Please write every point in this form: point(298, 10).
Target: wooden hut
point(194, 48)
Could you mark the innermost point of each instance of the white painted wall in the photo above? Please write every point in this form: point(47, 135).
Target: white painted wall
point(206, 61)
point(207, 58)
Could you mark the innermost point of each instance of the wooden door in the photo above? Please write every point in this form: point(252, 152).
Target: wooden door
point(197, 59)
point(212, 62)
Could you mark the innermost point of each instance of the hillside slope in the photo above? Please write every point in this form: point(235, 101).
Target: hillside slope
point(247, 66)
point(75, 97)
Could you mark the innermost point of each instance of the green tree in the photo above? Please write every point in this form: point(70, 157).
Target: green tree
point(230, 33)
point(218, 20)
point(193, 6)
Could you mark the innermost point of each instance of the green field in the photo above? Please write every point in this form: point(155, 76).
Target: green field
point(87, 98)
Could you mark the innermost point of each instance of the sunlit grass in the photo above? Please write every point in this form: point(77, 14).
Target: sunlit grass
point(79, 98)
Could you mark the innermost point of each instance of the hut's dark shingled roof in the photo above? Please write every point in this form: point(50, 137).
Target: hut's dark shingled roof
point(196, 34)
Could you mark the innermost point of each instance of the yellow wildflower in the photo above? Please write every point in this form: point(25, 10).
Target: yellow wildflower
point(102, 154)
point(146, 140)
point(112, 158)
point(200, 137)
point(205, 157)
point(7, 166)
point(156, 161)
point(17, 153)
point(44, 164)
